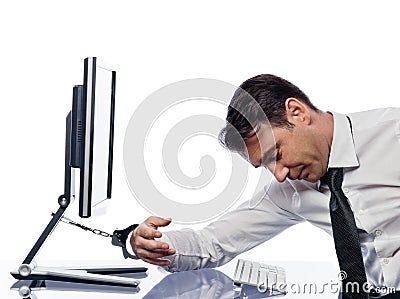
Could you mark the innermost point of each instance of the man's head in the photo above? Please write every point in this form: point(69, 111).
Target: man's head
point(272, 123)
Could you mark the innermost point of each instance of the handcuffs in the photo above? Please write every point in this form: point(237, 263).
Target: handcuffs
point(119, 238)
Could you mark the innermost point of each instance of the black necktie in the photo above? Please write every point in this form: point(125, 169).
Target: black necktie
point(345, 234)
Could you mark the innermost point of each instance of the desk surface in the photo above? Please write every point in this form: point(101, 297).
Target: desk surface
point(303, 279)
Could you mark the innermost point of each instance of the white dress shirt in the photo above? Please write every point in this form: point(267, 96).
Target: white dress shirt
point(370, 156)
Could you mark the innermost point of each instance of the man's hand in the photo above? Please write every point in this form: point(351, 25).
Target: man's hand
point(144, 245)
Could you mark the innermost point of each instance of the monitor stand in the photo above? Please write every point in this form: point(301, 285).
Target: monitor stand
point(28, 269)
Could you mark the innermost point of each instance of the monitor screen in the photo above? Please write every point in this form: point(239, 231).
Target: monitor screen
point(92, 135)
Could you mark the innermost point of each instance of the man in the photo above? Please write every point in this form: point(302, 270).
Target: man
point(312, 155)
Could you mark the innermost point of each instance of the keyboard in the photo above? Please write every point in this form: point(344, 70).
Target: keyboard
point(264, 277)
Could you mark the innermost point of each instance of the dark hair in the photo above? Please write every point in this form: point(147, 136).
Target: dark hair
point(257, 99)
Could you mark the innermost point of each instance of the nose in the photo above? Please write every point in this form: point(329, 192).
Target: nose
point(280, 172)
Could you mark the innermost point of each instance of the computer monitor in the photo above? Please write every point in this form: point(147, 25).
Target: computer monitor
point(92, 132)
point(89, 148)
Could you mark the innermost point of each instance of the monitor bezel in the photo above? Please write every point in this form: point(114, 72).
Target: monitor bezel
point(87, 134)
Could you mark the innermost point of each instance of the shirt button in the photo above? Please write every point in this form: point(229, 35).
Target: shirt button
point(346, 190)
point(378, 232)
point(361, 212)
point(386, 261)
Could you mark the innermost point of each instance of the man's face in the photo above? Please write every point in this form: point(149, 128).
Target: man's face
point(300, 152)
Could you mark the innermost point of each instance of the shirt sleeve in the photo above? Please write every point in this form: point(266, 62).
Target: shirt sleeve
point(234, 233)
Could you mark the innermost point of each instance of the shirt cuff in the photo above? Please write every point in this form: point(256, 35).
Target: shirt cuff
point(128, 244)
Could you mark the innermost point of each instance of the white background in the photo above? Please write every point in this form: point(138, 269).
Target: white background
point(343, 54)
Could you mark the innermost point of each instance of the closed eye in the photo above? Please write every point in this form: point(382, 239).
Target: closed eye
point(268, 159)
point(271, 155)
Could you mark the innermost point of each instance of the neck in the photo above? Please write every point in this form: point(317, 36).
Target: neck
point(326, 124)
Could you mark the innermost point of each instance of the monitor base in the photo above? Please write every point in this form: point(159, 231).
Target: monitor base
point(87, 276)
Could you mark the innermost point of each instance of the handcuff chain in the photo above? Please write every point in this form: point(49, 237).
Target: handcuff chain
point(93, 230)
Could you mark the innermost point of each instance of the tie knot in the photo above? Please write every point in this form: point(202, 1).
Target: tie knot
point(333, 178)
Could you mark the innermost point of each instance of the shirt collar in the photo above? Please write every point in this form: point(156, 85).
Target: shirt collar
point(343, 153)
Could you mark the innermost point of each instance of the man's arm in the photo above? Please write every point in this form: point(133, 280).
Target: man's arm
point(216, 244)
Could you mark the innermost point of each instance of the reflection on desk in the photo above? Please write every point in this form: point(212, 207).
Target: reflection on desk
point(205, 284)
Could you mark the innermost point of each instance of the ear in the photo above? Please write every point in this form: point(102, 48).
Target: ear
point(297, 112)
